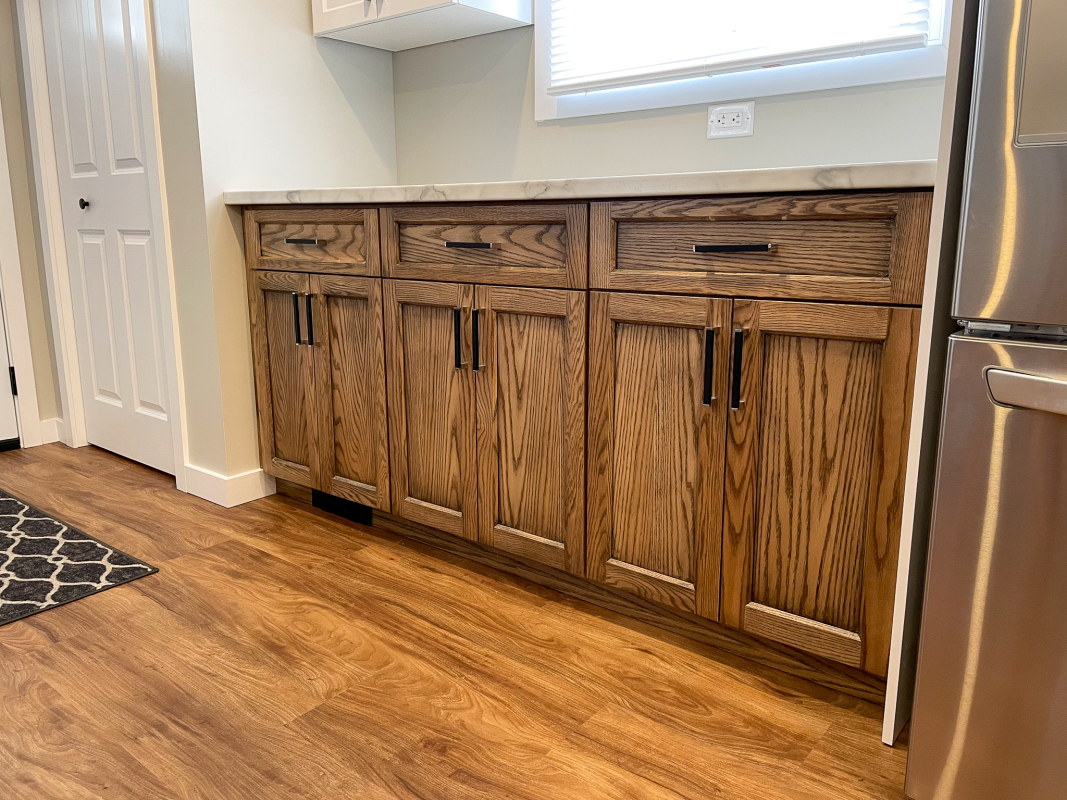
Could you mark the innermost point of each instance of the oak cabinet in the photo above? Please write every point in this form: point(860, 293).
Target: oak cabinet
point(320, 382)
point(285, 375)
point(321, 240)
point(657, 390)
point(487, 414)
point(530, 383)
point(815, 460)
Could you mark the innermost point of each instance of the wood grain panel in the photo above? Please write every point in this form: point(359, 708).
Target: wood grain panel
point(815, 452)
point(655, 472)
point(861, 247)
point(805, 634)
point(350, 389)
point(531, 422)
point(431, 406)
point(284, 376)
point(337, 242)
point(817, 419)
point(348, 239)
point(887, 481)
point(858, 248)
point(537, 244)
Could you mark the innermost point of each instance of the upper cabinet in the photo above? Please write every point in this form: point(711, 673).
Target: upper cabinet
point(864, 248)
point(404, 24)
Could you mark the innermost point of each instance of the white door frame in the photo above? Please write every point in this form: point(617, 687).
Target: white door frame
point(46, 172)
point(31, 432)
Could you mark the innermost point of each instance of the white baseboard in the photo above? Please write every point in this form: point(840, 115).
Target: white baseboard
point(51, 430)
point(228, 491)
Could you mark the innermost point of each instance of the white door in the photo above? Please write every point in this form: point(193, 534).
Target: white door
point(100, 93)
point(9, 424)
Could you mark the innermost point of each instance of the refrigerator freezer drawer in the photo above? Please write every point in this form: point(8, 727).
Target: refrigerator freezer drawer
point(990, 718)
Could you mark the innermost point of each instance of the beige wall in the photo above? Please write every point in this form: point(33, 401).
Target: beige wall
point(27, 229)
point(464, 112)
point(267, 106)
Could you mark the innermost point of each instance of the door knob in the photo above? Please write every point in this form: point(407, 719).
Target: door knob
point(83, 203)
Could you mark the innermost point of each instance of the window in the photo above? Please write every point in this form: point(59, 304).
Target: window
point(598, 56)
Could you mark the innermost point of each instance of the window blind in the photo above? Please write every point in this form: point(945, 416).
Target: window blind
point(605, 44)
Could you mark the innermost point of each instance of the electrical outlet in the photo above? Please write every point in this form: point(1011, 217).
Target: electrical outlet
point(731, 120)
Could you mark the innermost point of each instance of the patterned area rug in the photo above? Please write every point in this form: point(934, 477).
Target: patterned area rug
point(45, 563)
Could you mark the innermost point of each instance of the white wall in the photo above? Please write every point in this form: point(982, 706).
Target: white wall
point(248, 99)
point(464, 112)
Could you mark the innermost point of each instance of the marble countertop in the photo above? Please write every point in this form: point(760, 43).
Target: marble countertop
point(885, 175)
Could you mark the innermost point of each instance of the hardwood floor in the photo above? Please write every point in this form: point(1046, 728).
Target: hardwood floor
point(283, 653)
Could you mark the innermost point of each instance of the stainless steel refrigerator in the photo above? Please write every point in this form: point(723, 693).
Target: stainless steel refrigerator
point(990, 713)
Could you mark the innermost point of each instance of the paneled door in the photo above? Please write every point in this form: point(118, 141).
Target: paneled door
point(658, 371)
point(431, 404)
point(346, 334)
point(816, 450)
point(284, 362)
point(529, 355)
point(98, 81)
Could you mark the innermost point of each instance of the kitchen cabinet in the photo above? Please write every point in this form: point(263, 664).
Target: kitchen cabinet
point(530, 383)
point(658, 376)
point(431, 404)
point(816, 445)
point(404, 24)
point(320, 382)
point(487, 414)
point(714, 437)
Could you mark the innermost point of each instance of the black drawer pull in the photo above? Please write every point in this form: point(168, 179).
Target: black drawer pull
point(734, 248)
point(296, 318)
point(474, 245)
point(303, 241)
point(475, 344)
point(709, 365)
point(739, 352)
point(310, 322)
point(457, 335)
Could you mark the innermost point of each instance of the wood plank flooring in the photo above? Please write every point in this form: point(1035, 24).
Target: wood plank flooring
point(283, 653)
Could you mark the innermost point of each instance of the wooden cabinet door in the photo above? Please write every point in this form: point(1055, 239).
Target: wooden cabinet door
point(815, 473)
point(352, 444)
point(284, 375)
point(658, 370)
point(530, 362)
point(431, 404)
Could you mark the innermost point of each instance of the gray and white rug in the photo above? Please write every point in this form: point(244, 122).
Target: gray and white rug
point(45, 563)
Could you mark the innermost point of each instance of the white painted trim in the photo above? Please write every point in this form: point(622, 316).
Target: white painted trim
point(50, 207)
point(50, 430)
point(897, 713)
point(228, 491)
point(14, 310)
point(71, 429)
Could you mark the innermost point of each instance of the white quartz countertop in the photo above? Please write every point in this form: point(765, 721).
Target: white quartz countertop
point(886, 175)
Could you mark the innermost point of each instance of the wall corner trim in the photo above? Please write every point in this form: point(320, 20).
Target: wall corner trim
point(228, 491)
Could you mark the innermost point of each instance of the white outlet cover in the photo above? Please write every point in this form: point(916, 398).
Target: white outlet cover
point(735, 119)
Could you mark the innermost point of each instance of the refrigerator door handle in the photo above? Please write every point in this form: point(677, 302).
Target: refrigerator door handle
point(1022, 390)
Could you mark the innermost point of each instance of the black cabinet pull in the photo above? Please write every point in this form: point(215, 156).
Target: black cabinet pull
point(296, 318)
point(739, 352)
point(474, 245)
point(303, 241)
point(311, 318)
point(476, 360)
point(457, 335)
point(734, 248)
point(709, 365)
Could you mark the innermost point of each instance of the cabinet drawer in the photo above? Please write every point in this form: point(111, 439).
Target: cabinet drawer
point(330, 240)
point(862, 247)
point(527, 245)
